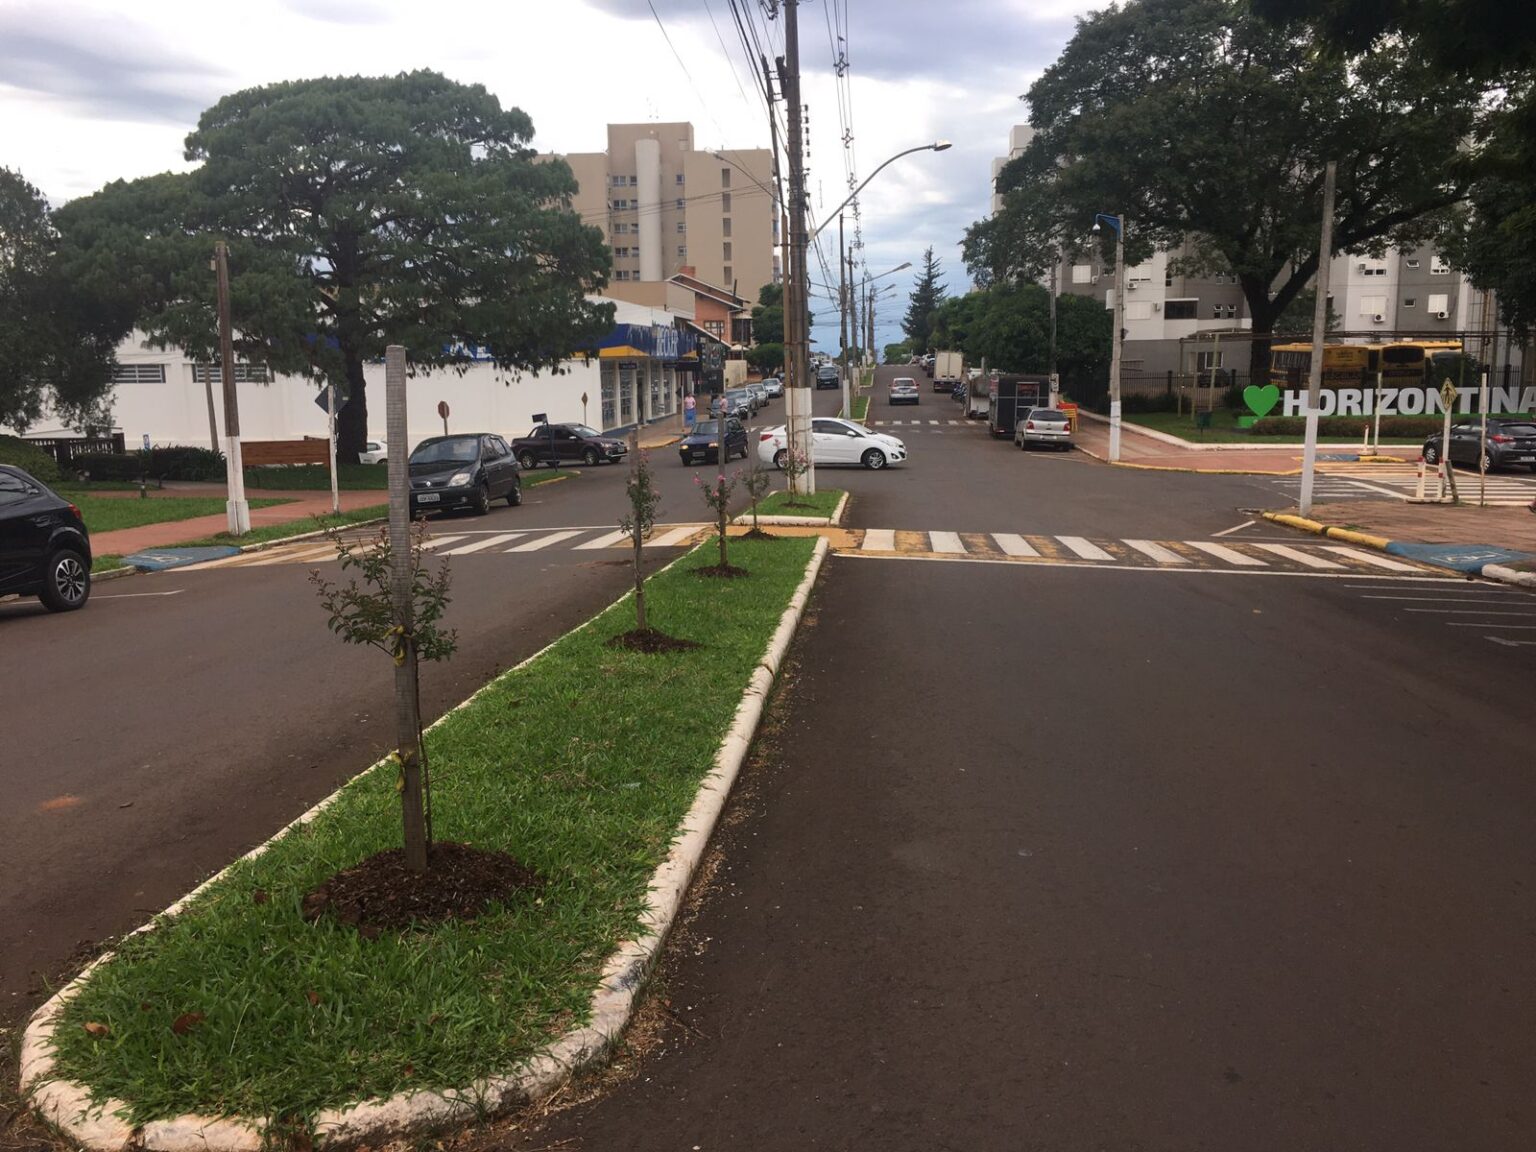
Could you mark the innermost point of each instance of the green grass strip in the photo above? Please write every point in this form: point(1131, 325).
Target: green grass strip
point(110, 513)
point(582, 765)
point(106, 563)
point(823, 503)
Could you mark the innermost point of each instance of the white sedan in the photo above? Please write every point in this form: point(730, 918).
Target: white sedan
point(374, 452)
point(835, 442)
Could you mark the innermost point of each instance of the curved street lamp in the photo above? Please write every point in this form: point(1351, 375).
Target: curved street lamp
point(936, 146)
point(1118, 224)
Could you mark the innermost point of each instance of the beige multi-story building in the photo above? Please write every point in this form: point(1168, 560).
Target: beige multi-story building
point(664, 206)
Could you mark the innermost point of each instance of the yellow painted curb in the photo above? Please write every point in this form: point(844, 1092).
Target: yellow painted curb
point(1300, 522)
point(1378, 542)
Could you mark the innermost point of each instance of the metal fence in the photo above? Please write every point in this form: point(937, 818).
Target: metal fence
point(66, 448)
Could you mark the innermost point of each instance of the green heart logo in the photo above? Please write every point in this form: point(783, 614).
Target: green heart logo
point(1261, 400)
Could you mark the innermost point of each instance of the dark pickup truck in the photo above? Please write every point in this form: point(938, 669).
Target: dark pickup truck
point(567, 444)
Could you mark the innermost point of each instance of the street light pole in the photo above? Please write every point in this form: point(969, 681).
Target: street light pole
point(1118, 224)
point(842, 315)
point(936, 146)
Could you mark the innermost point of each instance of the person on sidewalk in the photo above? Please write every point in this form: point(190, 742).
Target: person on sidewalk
point(689, 406)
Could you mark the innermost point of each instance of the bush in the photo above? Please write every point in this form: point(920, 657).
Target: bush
point(184, 462)
point(109, 465)
point(1408, 427)
point(28, 458)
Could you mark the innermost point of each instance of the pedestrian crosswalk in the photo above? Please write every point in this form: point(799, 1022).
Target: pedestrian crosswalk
point(1227, 555)
point(468, 543)
point(919, 424)
point(1400, 482)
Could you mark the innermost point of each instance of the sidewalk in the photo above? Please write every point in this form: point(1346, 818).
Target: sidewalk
point(1138, 449)
point(302, 505)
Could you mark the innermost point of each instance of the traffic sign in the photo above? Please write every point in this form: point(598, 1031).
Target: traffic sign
point(442, 409)
point(322, 400)
point(1447, 394)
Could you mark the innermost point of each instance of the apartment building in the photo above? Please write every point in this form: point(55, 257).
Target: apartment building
point(664, 205)
point(1019, 137)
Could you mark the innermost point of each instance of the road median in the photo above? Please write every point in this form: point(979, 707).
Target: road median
point(233, 1019)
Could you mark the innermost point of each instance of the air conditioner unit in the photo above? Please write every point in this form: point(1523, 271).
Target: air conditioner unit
point(1364, 267)
point(1442, 315)
point(1131, 287)
point(1379, 318)
point(1156, 307)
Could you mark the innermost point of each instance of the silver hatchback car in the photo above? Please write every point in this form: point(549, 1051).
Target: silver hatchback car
point(1043, 426)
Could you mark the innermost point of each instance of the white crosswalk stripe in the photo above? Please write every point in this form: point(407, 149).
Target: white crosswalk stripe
point(1157, 552)
point(879, 540)
point(607, 541)
point(1013, 544)
point(1370, 558)
point(547, 541)
point(1230, 555)
point(483, 545)
point(1299, 556)
point(1084, 548)
point(946, 542)
point(676, 536)
point(1353, 481)
point(437, 543)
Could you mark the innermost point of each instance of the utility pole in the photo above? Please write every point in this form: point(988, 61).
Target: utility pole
point(1319, 331)
point(239, 511)
point(1115, 349)
point(842, 316)
point(790, 396)
point(797, 354)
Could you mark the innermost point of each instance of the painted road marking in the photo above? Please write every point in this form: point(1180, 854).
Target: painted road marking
point(1466, 612)
point(879, 540)
point(1239, 528)
point(1084, 548)
point(327, 551)
point(1368, 558)
point(1013, 544)
point(674, 537)
point(1505, 627)
point(1157, 552)
point(946, 542)
point(481, 545)
point(134, 595)
point(546, 541)
point(606, 541)
point(437, 542)
point(1222, 552)
point(1298, 555)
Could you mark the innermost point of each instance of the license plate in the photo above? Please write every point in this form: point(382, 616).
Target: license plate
point(428, 497)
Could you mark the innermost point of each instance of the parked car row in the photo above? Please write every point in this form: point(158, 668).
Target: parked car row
point(1509, 442)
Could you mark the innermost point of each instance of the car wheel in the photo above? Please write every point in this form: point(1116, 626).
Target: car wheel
point(1431, 454)
point(528, 461)
point(482, 504)
point(874, 459)
point(1488, 461)
point(66, 582)
point(515, 494)
point(781, 459)
point(589, 457)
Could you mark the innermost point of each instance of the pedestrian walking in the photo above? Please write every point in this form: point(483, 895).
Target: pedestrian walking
point(689, 406)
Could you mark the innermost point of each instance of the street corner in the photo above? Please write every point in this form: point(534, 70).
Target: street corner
point(1473, 559)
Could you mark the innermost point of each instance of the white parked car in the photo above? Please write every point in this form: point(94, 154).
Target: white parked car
point(374, 452)
point(835, 442)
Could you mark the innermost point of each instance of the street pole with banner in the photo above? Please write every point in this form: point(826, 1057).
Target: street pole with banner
point(1319, 332)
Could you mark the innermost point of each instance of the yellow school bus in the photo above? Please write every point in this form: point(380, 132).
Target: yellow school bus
point(1400, 362)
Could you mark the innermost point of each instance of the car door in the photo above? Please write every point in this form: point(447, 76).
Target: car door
point(1464, 443)
point(22, 538)
point(832, 443)
point(490, 466)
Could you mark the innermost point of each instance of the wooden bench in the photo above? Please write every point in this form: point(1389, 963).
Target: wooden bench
point(260, 453)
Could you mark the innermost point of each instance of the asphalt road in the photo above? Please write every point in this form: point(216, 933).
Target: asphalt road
point(185, 716)
point(1057, 858)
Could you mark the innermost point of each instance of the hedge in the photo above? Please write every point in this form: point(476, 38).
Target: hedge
point(177, 462)
point(29, 458)
point(1397, 426)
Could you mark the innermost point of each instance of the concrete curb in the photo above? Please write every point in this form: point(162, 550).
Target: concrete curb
point(1318, 528)
point(1499, 572)
point(98, 1126)
point(832, 521)
point(1204, 446)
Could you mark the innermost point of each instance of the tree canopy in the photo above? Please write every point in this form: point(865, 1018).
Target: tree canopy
point(360, 212)
point(768, 315)
point(57, 344)
point(1009, 326)
point(1209, 128)
point(927, 294)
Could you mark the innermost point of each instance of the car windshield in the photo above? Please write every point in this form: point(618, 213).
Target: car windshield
point(707, 428)
point(453, 450)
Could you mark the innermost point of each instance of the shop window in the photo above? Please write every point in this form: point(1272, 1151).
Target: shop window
point(627, 394)
point(610, 394)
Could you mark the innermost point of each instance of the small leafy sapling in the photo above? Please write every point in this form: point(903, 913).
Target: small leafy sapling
point(644, 500)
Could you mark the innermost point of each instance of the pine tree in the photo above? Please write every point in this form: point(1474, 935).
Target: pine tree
point(926, 297)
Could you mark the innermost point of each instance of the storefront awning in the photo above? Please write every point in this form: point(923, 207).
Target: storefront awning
point(645, 342)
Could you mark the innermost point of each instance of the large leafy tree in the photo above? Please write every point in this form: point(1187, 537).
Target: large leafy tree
point(56, 342)
point(1009, 325)
point(1209, 127)
point(927, 294)
point(768, 315)
point(361, 212)
point(1468, 43)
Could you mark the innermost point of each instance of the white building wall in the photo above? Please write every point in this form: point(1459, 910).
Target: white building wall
point(648, 192)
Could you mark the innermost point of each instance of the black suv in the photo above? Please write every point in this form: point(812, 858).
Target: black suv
point(826, 377)
point(45, 550)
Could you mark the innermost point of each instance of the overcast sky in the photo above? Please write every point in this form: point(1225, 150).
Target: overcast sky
point(96, 90)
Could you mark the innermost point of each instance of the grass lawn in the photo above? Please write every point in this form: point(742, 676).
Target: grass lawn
point(1224, 429)
point(860, 409)
point(109, 513)
point(824, 503)
point(105, 563)
point(581, 765)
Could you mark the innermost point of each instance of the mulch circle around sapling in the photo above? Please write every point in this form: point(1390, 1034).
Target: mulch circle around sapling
point(650, 640)
point(722, 571)
point(381, 893)
point(759, 534)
